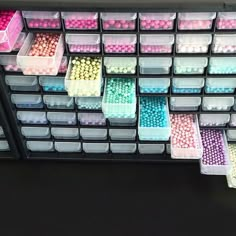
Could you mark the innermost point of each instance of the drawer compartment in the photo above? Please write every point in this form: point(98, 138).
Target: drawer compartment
point(62, 118)
point(96, 147)
point(187, 85)
point(58, 102)
point(92, 119)
point(67, 146)
point(36, 132)
point(220, 85)
point(154, 85)
point(151, 148)
point(27, 101)
point(65, 133)
point(122, 134)
point(30, 117)
point(52, 84)
point(93, 134)
point(123, 147)
point(217, 103)
point(185, 103)
point(40, 146)
point(89, 103)
point(214, 119)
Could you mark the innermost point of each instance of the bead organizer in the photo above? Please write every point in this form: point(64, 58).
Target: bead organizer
point(83, 43)
point(154, 120)
point(187, 85)
point(80, 20)
point(215, 159)
point(118, 21)
point(83, 77)
point(193, 43)
point(220, 85)
point(196, 20)
point(42, 19)
point(156, 43)
point(41, 54)
point(157, 21)
point(231, 177)
point(118, 43)
point(10, 28)
point(154, 85)
point(186, 141)
point(119, 99)
point(120, 65)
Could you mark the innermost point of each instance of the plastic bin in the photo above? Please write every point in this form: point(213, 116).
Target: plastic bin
point(190, 65)
point(52, 84)
point(123, 121)
point(67, 146)
point(4, 146)
point(62, 118)
point(10, 34)
point(215, 168)
point(157, 21)
point(233, 120)
point(231, 134)
point(96, 147)
point(222, 65)
point(226, 20)
point(220, 85)
point(196, 20)
point(27, 101)
point(214, 119)
point(20, 41)
point(231, 177)
point(116, 103)
point(83, 43)
point(150, 43)
point(22, 83)
point(42, 19)
point(154, 125)
point(179, 147)
point(65, 133)
point(39, 65)
point(151, 148)
point(119, 43)
point(40, 146)
point(80, 20)
point(155, 65)
point(63, 66)
point(58, 102)
point(217, 103)
point(78, 86)
point(185, 103)
point(89, 103)
point(123, 147)
point(193, 43)
point(122, 134)
point(36, 132)
point(187, 85)
point(32, 117)
point(224, 43)
point(118, 21)
point(91, 119)
point(120, 65)
point(9, 63)
point(154, 85)
point(93, 134)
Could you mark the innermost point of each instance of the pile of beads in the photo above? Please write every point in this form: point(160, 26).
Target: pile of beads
point(44, 45)
point(80, 20)
point(184, 137)
point(153, 90)
point(214, 152)
point(92, 103)
point(119, 100)
point(92, 119)
point(232, 155)
point(5, 18)
point(54, 88)
point(153, 112)
point(85, 77)
point(226, 20)
point(185, 90)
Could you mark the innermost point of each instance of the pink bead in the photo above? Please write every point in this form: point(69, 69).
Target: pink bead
point(44, 23)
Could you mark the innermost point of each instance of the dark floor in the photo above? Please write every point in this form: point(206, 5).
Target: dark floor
point(40, 198)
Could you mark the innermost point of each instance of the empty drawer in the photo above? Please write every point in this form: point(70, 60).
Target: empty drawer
point(36, 132)
point(40, 146)
point(68, 146)
point(96, 147)
point(151, 148)
point(185, 103)
point(123, 121)
point(123, 147)
point(93, 134)
point(65, 133)
point(62, 118)
point(4, 146)
point(122, 134)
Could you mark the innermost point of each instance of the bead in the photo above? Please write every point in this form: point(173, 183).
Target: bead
point(213, 147)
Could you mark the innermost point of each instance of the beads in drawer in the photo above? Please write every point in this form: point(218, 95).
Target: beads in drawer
point(154, 85)
point(220, 85)
point(91, 119)
point(224, 43)
point(222, 65)
point(226, 20)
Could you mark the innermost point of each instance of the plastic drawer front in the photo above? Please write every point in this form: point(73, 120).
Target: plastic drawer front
point(27, 117)
point(96, 147)
point(93, 134)
point(214, 119)
point(4, 146)
point(65, 133)
point(36, 132)
point(67, 146)
point(122, 134)
point(40, 146)
point(62, 118)
point(151, 148)
point(123, 147)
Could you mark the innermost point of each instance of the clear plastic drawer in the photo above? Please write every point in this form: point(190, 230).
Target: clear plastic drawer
point(222, 65)
point(217, 103)
point(36, 132)
point(58, 102)
point(123, 147)
point(4, 146)
point(122, 134)
point(30, 117)
point(65, 133)
point(185, 103)
point(151, 148)
point(93, 134)
point(27, 101)
point(224, 43)
point(220, 85)
point(154, 85)
point(89, 103)
point(96, 147)
point(214, 119)
point(62, 118)
point(9, 63)
point(91, 119)
point(226, 20)
point(52, 84)
point(67, 146)
point(40, 146)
